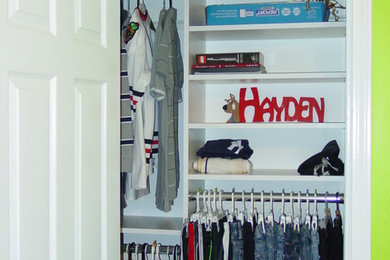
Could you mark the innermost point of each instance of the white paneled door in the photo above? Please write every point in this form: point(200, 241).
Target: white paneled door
point(59, 129)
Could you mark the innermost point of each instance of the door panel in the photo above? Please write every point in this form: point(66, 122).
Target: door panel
point(90, 20)
point(59, 131)
point(29, 114)
point(35, 14)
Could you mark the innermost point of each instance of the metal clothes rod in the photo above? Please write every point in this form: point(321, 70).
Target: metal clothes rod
point(276, 196)
point(164, 249)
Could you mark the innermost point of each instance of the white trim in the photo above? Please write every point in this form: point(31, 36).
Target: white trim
point(358, 172)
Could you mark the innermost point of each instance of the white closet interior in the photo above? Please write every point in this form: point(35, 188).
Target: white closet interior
point(301, 60)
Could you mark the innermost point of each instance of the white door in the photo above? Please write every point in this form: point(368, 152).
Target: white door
point(59, 129)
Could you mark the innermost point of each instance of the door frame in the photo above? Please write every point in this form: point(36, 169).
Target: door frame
point(357, 224)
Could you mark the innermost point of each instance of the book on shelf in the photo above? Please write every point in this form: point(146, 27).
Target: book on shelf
point(218, 68)
point(229, 58)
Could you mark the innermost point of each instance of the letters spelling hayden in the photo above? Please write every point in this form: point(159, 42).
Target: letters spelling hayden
point(302, 110)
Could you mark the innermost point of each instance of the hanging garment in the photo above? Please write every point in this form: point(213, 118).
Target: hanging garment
point(139, 40)
point(166, 84)
point(127, 137)
point(126, 119)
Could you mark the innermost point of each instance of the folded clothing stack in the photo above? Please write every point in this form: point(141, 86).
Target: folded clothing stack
point(325, 162)
point(224, 156)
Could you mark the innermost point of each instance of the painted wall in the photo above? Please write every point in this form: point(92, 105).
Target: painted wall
point(381, 130)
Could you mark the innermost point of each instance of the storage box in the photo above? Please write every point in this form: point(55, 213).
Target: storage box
point(282, 12)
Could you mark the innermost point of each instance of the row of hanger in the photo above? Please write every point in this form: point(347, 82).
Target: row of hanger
point(156, 250)
point(211, 213)
point(141, 5)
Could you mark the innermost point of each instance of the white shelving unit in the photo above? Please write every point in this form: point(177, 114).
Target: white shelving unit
point(302, 60)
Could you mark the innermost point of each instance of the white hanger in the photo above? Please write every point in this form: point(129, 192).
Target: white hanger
point(127, 251)
point(216, 215)
point(146, 251)
point(203, 214)
point(308, 217)
point(242, 214)
point(210, 215)
point(314, 222)
point(261, 218)
point(195, 216)
point(168, 256)
point(253, 215)
point(176, 247)
point(222, 212)
point(282, 215)
point(297, 219)
point(153, 251)
point(136, 252)
point(270, 217)
point(232, 214)
point(290, 217)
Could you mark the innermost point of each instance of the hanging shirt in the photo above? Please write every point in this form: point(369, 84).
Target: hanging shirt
point(166, 84)
point(139, 40)
point(127, 136)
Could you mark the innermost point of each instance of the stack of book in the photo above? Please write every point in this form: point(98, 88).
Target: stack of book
point(229, 62)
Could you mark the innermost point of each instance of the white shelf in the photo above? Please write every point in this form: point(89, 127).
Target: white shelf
point(266, 175)
point(266, 126)
point(152, 225)
point(270, 31)
point(270, 77)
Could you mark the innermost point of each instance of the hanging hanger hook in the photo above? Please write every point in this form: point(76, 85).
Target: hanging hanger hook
point(252, 203)
point(215, 199)
point(204, 201)
point(337, 205)
point(243, 200)
point(283, 201)
point(315, 215)
point(297, 220)
point(292, 204)
point(197, 200)
point(270, 218)
point(209, 200)
point(308, 217)
point(220, 200)
point(233, 203)
point(262, 201)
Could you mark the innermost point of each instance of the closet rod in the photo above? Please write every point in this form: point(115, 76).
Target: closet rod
point(141, 248)
point(276, 197)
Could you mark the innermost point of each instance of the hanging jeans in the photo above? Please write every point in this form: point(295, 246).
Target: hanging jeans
point(288, 243)
point(296, 244)
point(315, 241)
point(236, 240)
point(260, 244)
point(305, 245)
point(270, 239)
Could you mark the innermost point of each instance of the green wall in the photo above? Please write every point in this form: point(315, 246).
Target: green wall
point(381, 130)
